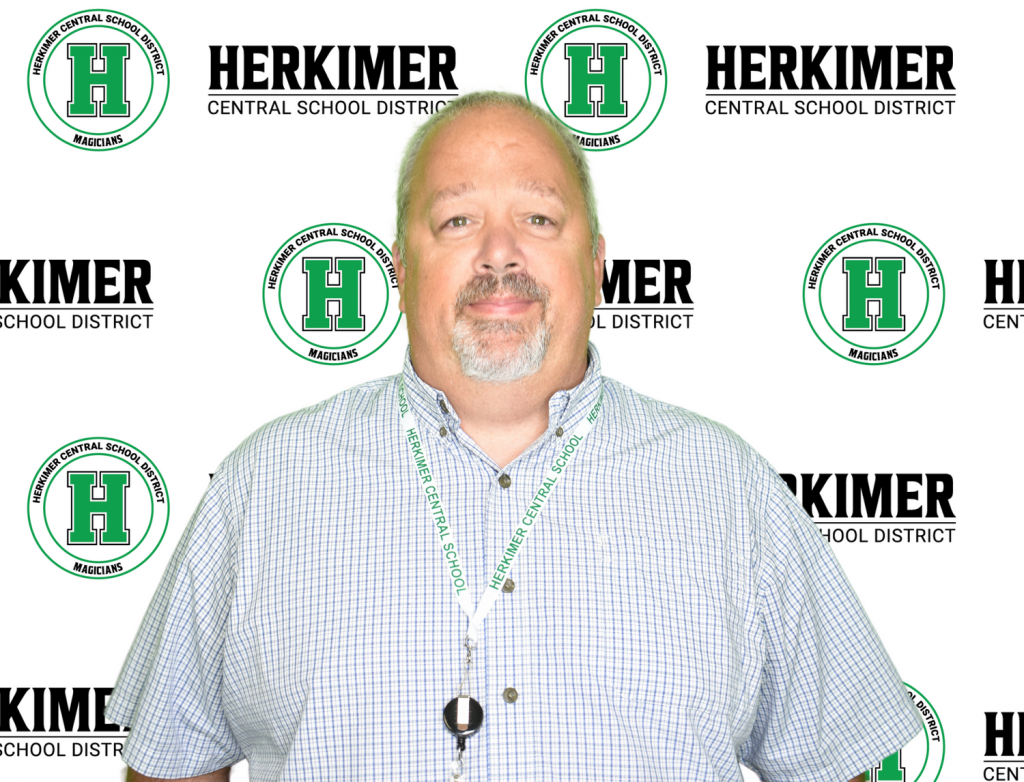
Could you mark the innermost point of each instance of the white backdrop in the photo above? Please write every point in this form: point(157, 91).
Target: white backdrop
point(746, 199)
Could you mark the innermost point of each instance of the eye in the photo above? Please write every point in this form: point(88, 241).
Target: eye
point(458, 222)
point(539, 220)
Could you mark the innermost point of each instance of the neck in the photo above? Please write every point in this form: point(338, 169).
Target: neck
point(504, 419)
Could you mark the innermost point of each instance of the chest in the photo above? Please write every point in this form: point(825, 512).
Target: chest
point(627, 562)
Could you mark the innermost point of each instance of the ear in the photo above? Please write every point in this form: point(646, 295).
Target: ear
point(396, 258)
point(598, 270)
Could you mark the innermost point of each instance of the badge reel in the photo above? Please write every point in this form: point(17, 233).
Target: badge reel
point(463, 717)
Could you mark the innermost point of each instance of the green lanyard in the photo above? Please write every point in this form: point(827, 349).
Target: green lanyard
point(456, 570)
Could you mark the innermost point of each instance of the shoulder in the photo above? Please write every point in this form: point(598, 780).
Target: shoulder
point(640, 421)
point(346, 421)
point(687, 447)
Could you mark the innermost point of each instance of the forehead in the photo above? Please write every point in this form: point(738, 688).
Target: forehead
point(489, 146)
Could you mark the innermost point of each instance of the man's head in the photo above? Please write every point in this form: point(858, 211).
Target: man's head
point(500, 259)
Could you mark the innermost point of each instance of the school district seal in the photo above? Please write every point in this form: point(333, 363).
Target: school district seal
point(874, 293)
point(330, 294)
point(98, 80)
point(601, 74)
point(98, 507)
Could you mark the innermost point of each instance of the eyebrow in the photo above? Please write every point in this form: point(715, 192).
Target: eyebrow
point(449, 193)
point(540, 189)
point(464, 188)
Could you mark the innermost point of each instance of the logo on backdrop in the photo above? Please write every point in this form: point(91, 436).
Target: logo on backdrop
point(98, 80)
point(98, 507)
point(873, 508)
point(645, 294)
point(830, 80)
point(49, 714)
point(601, 74)
point(331, 294)
point(874, 293)
point(75, 294)
point(331, 81)
point(922, 759)
point(1004, 293)
point(1004, 744)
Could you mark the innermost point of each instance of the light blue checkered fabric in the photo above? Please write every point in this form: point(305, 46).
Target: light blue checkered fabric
point(674, 611)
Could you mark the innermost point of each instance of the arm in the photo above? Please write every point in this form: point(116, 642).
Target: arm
point(169, 690)
point(216, 776)
point(817, 638)
point(858, 778)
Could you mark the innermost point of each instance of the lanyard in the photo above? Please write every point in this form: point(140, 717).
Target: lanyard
point(456, 571)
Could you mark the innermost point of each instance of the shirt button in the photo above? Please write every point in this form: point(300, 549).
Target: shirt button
point(510, 695)
point(444, 407)
point(443, 431)
point(504, 481)
point(559, 432)
point(508, 586)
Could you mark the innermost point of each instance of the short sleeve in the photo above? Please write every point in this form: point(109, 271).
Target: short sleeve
point(170, 687)
point(831, 704)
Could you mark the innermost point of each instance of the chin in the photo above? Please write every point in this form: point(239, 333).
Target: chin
point(503, 351)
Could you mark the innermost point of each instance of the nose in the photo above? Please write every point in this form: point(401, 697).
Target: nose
point(499, 252)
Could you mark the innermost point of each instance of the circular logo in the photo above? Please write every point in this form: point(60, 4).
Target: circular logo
point(98, 80)
point(98, 507)
point(331, 294)
point(874, 293)
point(601, 74)
point(922, 759)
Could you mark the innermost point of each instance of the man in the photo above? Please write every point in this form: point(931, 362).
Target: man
point(673, 614)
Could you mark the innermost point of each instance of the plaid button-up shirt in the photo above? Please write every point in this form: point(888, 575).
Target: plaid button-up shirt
point(674, 613)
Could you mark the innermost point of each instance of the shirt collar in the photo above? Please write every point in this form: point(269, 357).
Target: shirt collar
point(565, 409)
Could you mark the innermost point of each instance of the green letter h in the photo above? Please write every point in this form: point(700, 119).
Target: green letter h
point(609, 79)
point(886, 293)
point(319, 292)
point(891, 769)
point(84, 78)
point(84, 507)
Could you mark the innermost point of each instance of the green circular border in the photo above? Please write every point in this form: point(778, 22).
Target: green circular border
point(62, 546)
point(167, 68)
point(664, 66)
point(872, 363)
point(267, 314)
point(647, 97)
point(28, 505)
point(942, 730)
point(149, 97)
point(908, 335)
point(370, 333)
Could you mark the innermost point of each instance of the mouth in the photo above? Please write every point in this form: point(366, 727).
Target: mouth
point(505, 297)
point(502, 307)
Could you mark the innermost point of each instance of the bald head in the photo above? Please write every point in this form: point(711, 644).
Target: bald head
point(420, 145)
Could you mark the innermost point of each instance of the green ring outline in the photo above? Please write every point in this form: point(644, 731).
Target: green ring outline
point(874, 363)
point(664, 68)
point(149, 526)
point(167, 70)
point(149, 98)
point(28, 504)
point(909, 334)
point(267, 314)
point(370, 333)
point(938, 719)
point(647, 97)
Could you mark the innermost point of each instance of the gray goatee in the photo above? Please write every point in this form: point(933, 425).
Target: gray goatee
point(521, 349)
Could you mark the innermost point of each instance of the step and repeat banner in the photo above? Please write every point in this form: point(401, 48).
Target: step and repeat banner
point(812, 217)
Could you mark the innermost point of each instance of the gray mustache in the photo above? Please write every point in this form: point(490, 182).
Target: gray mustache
point(520, 285)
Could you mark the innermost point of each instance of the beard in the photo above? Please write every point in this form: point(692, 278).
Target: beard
point(500, 350)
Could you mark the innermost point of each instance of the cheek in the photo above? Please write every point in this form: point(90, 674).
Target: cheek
point(569, 295)
point(430, 295)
